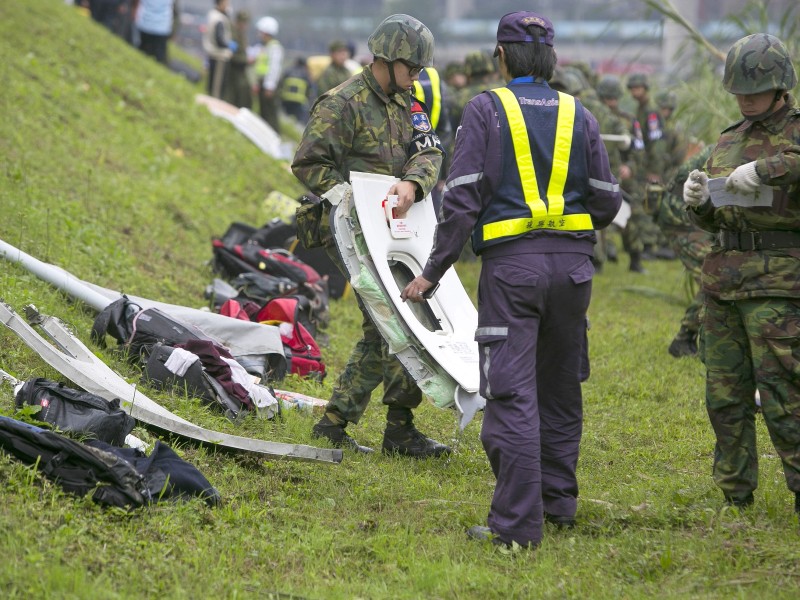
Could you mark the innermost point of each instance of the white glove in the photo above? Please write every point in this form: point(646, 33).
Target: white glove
point(337, 193)
point(744, 179)
point(695, 190)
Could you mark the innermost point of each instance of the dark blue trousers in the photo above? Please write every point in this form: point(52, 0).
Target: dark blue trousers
point(532, 341)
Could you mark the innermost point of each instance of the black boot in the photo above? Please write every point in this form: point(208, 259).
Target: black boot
point(331, 427)
point(741, 502)
point(401, 437)
point(636, 263)
point(684, 344)
point(797, 503)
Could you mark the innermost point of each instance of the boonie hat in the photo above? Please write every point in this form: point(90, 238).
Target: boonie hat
point(513, 27)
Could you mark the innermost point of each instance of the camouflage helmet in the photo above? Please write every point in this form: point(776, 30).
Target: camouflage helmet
point(479, 62)
point(667, 99)
point(402, 37)
point(758, 63)
point(609, 88)
point(567, 80)
point(638, 80)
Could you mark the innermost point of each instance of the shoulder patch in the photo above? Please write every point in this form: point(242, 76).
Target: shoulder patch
point(419, 118)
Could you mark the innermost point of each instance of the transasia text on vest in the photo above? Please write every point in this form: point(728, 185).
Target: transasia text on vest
point(538, 101)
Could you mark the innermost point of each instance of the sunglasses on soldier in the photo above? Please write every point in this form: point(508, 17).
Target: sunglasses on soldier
point(413, 70)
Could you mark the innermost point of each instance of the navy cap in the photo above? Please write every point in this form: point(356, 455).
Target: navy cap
point(513, 27)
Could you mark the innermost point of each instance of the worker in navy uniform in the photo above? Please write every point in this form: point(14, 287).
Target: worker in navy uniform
point(430, 90)
point(530, 181)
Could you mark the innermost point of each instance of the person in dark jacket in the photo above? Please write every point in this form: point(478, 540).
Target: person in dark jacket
point(530, 181)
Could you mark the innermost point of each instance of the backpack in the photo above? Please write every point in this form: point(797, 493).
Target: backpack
point(169, 476)
point(196, 382)
point(138, 330)
point(77, 411)
point(277, 233)
point(302, 351)
point(121, 477)
point(239, 252)
point(78, 468)
point(150, 336)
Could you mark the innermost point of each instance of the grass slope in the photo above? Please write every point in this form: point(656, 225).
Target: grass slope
point(111, 171)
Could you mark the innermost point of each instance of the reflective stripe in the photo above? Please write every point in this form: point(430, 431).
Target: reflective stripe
point(294, 89)
point(463, 180)
point(508, 227)
point(550, 216)
point(436, 97)
point(487, 362)
point(603, 185)
point(501, 331)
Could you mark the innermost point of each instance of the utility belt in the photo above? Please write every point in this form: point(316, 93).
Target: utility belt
point(758, 240)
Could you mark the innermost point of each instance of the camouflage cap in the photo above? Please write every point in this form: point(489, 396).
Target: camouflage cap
point(638, 80)
point(667, 99)
point(337, 45)
point(402, 37)
point(609, 88)
point(758, 63)
point(479, 62)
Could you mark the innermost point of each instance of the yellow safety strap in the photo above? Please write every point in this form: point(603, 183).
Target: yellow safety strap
point(550, 216)
point(419, 93)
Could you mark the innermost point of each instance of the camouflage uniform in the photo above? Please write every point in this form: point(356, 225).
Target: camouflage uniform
point(654, 167)
point(332, 76)
point(358, 127)
point(691, 245)
point(752, 280)
point(632, 237)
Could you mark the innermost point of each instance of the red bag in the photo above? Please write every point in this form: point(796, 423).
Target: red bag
point(302, 350)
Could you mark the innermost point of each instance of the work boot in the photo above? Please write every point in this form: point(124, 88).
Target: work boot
point(740, 502)
point(560, 521)
point(684, 344)
point(401, 437)
point(648, 253)
point(797, 503)
point(484, 534)
point(327, 428)
point(636, 263)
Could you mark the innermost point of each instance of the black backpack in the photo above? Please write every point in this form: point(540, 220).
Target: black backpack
point(121, 477)
point(78, 468)
point(139, 330)
point(196, 382)
point(77, 411)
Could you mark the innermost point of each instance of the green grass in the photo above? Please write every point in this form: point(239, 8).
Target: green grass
point(110, 170)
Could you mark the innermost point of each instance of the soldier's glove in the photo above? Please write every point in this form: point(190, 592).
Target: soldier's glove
point(695, 190)
point(744, 179)
point(337, 193)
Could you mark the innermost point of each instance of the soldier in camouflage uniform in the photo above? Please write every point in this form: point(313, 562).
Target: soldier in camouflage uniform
point(372, 124)
point(751, 277)
point(336, 72)
point(656, 160)
point(609, 90)
point(574, 81)
point(675, 138)
point(691, 244)
point(481, 72)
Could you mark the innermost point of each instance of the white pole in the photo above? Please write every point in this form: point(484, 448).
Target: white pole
point(56, 276)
